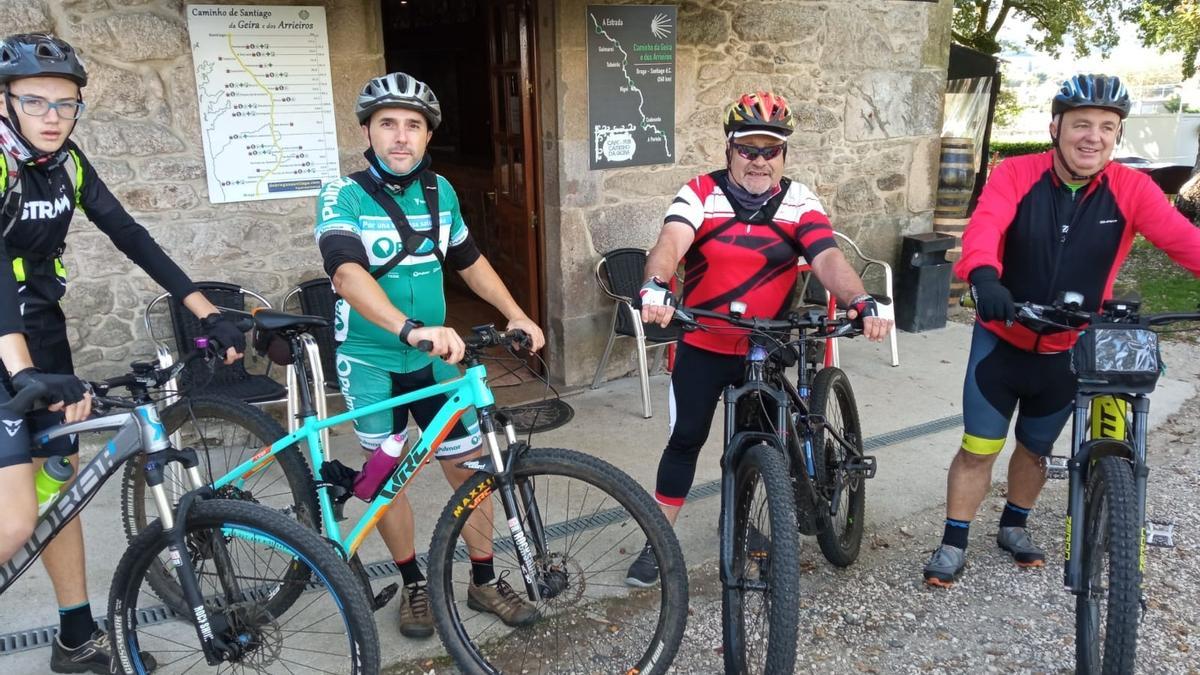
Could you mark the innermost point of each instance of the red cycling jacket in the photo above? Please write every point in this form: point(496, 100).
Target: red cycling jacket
point(744, 256)
point(1015, 229)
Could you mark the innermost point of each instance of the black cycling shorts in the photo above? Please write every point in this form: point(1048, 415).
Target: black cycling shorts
point(52, 354)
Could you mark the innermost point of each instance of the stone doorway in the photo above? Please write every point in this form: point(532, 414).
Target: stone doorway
point(478, 58)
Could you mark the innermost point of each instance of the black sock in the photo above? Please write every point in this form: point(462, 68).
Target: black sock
point(956, 533)
point(482, 571)
point(1013, 516)
point(410, 571)
point(76, 625)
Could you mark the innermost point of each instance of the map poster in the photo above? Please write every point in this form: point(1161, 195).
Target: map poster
point(631, 84)
point(266, 104)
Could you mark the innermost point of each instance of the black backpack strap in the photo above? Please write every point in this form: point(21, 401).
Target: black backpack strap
point(410, 239)
point(430, 190)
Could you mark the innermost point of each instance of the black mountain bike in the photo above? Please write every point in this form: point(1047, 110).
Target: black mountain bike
point(1117, 365)
point(793, 463)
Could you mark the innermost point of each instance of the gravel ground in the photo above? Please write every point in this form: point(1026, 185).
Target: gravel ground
point(878, 617)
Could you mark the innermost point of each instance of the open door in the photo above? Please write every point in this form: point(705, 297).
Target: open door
point(512, 244)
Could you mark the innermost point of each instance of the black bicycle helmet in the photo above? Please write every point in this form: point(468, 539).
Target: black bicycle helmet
point(759, 112)
point(1092, 91)
point(39, 55)
point(398, 90)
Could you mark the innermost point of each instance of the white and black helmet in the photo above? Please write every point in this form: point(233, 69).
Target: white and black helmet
point(398, 90)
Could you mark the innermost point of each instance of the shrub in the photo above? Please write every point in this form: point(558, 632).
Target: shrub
point(1013, 148)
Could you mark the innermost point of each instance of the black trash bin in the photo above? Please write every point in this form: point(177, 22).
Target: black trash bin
point(923, 281)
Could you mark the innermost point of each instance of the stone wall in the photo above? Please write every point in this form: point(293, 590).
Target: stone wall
point(866, 79)
point(141, 130)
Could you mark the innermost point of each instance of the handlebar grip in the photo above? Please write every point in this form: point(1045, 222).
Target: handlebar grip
point(425, 346)
point(24, 400)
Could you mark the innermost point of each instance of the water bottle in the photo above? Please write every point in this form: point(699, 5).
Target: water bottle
point(50, 479)
point(378, 467)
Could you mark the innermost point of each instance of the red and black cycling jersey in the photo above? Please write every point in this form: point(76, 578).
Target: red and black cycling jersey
point(40, 230)
point(1044, 241)
point(742, 255)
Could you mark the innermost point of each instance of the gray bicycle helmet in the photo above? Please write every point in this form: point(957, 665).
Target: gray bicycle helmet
point(39, 55)
point(1092, 91)
point(398, 90)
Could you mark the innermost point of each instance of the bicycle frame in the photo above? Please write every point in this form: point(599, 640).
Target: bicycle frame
point(137, 431)
point(1110, 435)
point(461, 393)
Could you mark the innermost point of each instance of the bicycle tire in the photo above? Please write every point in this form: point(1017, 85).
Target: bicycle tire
point(765, 465)
point(136, 627)
point(298, 497)
point(1111, 532)
point(840, 537)
point(609, 623)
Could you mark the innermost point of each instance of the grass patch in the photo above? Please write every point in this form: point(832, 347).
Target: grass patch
point(1163, 285)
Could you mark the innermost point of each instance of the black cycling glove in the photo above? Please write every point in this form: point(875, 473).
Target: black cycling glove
point(224, 332)
point(993, 301)
point(865, 306)
point(59, 388)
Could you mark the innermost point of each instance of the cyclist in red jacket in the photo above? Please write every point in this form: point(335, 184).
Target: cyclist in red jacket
point(1062, 220)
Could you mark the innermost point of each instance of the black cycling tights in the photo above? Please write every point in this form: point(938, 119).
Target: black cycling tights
point(696, 385)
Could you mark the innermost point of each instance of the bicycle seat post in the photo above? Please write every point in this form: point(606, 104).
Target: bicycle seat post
point(307, 408)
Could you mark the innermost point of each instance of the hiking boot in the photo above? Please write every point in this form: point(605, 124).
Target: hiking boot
point(416, 619)
point(643, 573)
point(93, 656)
point(499, 598)
point(945, 566)
point(1016, 541)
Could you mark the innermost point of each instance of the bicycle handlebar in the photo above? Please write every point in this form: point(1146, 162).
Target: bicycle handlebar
point(812, 319)
point(485, 336)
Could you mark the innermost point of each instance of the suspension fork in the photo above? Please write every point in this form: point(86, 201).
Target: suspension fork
point(1141, 470)
point(209, 629)
point(1076, 487)
point(509, 499)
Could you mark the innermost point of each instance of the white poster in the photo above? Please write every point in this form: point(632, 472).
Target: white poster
point(266, 104)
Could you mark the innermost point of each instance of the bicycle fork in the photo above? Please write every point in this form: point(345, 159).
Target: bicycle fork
point(514, 514)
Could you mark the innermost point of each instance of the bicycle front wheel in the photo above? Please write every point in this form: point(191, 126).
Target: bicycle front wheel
point(760, 604)
point(1106, 615)
point(234, 547)
point(844, 491)
point(585, 522)
point(225, 433)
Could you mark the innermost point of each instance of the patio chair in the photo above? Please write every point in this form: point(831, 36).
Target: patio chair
point(619, 275)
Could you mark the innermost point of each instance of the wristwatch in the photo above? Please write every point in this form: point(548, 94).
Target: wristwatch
point(409, 325)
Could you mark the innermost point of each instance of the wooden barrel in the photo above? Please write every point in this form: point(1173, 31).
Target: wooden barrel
point(956, 176)
point(954, 226)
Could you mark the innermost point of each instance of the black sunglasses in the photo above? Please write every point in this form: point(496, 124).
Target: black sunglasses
point(751, 153)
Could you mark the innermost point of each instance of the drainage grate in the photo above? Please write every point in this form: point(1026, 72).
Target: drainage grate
point(34, 638)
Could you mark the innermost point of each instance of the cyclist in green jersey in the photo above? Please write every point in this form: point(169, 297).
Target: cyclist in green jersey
point(387, 236)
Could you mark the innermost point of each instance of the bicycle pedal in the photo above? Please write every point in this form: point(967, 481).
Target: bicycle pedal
point(1160, 533)
point(382, 598)
point(861, 466)
point(1056, 467)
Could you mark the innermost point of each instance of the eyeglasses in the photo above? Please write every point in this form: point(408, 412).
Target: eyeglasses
point(749, 152)
point(36, 106)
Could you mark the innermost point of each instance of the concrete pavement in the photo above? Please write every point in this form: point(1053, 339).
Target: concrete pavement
point(916, 398)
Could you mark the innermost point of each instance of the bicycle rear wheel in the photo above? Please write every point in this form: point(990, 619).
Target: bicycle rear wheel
point(595, 520)
point(235, 546)
point(224, 432)
point(760, 606)
point(1106, 616)
point(833, 400)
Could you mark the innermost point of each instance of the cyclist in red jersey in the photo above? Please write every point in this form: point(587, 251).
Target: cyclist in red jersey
point(1062, 220)
point(739, 232)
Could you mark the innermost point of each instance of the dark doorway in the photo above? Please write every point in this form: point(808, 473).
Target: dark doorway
point(477, 57)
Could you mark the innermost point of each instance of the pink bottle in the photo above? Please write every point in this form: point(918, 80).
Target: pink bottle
point(378, 467)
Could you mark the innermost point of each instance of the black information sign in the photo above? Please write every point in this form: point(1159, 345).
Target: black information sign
point(631, 84)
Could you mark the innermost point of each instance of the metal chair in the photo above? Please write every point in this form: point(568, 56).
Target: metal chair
point(620, 275)
point(226, 380)
point(316, 298)
point(885, 311)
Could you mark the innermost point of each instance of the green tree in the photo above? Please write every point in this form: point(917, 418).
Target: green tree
point(1090, 23)
point(1008, 108)
point(1170, 25)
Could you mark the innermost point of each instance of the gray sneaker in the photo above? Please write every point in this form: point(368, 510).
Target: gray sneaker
point(1016, 541)
point(945, 566)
